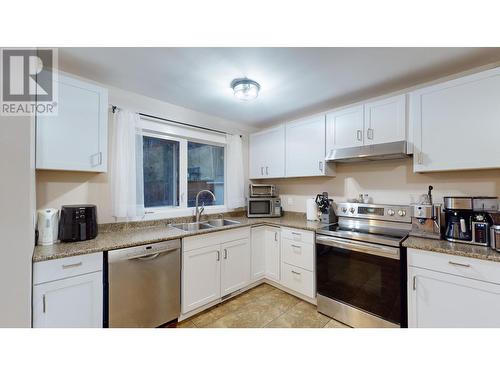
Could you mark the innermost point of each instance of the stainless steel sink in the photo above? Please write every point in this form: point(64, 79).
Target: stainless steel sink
point(192, 226)
point(221, 222)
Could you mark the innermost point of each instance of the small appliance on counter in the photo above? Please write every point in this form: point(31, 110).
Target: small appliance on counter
point(263, 201)
point(426, 218)
point(78, 223)
point(262, 190)
point(495, 231)
point(468, 219)
point(326, 208)
point(47, 224)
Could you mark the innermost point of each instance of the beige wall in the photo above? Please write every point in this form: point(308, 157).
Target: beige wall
point(57, 188)
point(391, 181)
point(17, 202)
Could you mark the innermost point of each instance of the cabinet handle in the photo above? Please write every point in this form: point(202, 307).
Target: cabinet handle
point(296, 234)
point(296, 273)
point(262, 171)
point(414, 282)
point(369, 133)
point(359, 135)
point(419, 158)
point(267, 171)
point(218, 255)
point(297, 247)
point(276, 236)
point(459, 264)
point(225, 253)
point(73, 265)
point(43, 304)
point(321, 166)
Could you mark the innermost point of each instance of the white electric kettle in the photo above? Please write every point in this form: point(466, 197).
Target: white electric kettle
point(48, 225)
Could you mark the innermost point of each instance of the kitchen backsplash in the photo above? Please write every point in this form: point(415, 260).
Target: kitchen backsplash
point(390, 181)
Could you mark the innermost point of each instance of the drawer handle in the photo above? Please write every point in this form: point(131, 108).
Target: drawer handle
point(73, 265)
point(296, 234)
point(459, 264)
point(296, 273)
point(297, 247)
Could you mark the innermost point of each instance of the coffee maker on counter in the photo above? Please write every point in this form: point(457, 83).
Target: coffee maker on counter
point(468, 220)
point(426, 217)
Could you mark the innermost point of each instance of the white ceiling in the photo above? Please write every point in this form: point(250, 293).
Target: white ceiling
point(294, 81)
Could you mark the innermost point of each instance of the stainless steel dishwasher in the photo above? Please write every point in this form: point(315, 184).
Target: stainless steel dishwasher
point(144, 285)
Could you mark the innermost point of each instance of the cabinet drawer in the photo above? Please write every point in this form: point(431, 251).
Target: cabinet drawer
point(478, 269)
point(57, 269)
point(298, 279)
point(298, 235)
point(298, 254)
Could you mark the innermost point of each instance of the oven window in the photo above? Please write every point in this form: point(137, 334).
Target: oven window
point(259, 207)
point(367, 282)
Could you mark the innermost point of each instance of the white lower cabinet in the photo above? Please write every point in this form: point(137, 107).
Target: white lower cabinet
point(200, 277)
point(235, 272)
point(450, 291)
point(65, 295)
point(214, 265)
point(298, 279)
point(272, 253)
point(258, 252)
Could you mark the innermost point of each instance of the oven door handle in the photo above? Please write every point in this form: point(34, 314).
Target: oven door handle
point(361, 247)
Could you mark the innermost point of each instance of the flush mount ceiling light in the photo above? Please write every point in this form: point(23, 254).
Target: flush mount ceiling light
point(245, 89)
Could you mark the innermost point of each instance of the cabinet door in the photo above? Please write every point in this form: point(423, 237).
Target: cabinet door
point(272, 253)
point(457, 123)
point(305, 147)
point(256, 169)
point(437, 299)
point(75, 302)
point(76, 138)
point(258, 242)
point(267, 153)
point(345, 128)
point(235, 272)
point(200, 277)
point(385, 120)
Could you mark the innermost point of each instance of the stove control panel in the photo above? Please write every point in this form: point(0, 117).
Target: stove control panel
point(374, 211)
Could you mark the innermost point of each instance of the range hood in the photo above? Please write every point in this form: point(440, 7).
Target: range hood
point(383, 151)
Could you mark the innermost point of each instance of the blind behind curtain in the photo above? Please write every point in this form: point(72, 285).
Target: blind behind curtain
point(127, 180)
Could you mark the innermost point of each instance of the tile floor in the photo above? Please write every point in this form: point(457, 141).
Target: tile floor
point(262, 306)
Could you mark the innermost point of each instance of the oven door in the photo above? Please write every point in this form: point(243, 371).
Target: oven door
point(360, 275)
point(260, 207)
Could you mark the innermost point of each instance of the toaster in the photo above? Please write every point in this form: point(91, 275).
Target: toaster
point(78, 223)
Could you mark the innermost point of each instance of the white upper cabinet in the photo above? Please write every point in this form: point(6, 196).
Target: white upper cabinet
point(305, 148)
point(457, 123)
point(267, 153)
point(76, 138)
point(345, 128)
point(385, 120)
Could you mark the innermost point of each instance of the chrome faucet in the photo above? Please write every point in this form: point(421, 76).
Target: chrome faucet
point(200, 210)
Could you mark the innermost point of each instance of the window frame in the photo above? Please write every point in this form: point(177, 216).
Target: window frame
point(166, 130)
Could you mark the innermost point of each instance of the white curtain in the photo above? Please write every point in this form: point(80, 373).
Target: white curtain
point(127, 180)
point(235, 178)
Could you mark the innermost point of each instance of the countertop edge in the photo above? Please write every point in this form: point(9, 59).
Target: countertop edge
point(181, 234)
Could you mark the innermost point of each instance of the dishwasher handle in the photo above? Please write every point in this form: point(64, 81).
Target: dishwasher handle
point(144, 252)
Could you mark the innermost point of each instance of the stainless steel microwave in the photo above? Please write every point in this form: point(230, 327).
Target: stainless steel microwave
point(264, 207)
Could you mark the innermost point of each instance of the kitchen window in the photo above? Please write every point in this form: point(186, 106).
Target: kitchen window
point(205, 172)
point(177, 165)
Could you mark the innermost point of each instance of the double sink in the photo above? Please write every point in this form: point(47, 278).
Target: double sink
point(215, 223)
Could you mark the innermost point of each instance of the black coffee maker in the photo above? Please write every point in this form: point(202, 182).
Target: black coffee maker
point(467, 219)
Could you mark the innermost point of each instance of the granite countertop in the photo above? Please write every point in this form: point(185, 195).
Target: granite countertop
point(452, 248)
point(121, 235)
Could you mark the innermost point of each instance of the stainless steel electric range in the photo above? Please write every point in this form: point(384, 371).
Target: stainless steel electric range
point(361, 265)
